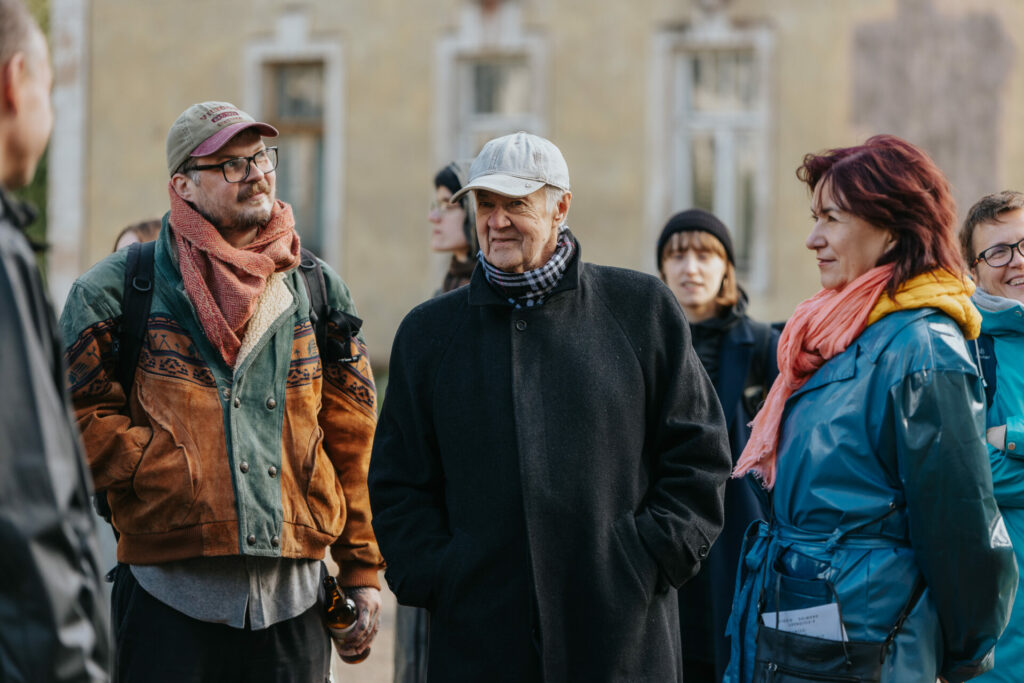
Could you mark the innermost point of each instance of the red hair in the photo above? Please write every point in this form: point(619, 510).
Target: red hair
point(893, 185)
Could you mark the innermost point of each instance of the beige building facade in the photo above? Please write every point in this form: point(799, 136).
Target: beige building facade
point(658, 105)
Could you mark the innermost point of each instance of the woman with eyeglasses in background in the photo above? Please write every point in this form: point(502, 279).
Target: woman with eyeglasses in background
point(992, 241)
point(454, 225)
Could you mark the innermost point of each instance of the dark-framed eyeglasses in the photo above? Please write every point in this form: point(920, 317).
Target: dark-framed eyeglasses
point(237, 170)
point(443, 207)
point(999, 255)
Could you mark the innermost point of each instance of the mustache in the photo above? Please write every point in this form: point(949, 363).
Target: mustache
point(245, 193)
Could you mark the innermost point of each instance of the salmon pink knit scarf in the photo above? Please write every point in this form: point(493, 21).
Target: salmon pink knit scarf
point(224, 283)
point(825, 325)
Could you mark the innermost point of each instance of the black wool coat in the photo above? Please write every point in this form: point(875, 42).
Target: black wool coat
point(541, 477)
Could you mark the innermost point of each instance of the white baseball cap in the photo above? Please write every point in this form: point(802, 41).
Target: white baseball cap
point(517, 165)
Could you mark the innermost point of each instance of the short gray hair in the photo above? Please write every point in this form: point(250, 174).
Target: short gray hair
point(553, 195)
point(188, 168)
point(16, 28)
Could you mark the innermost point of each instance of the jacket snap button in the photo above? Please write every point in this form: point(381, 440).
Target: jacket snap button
point(275, 541)
point(1011, 446)
point(238, 402)
point(271, 403)
point(243, 467)
point(520, 325)
point(251, 540)
point(703, 552)
point(226, 393)
point(272, 471)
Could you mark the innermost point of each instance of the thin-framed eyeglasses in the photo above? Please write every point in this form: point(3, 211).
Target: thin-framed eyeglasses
point(443, 207)
point(999, 255)
point(237, 170)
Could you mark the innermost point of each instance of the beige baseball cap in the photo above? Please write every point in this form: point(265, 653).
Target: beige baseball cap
point(517, 165)
point(204, 128)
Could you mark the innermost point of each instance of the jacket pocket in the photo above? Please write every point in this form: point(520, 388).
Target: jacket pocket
point(168, 477)
point(640, 564)
point(324, 496)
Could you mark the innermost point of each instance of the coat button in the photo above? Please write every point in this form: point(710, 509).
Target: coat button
point(272, 471)
point(1011, 446)
point(275, 541)
point(520, 325)
point(251, 540)
point(703, 552)
point(226, 393)
point(243, 467)
point(237, 403)
point(271, 403)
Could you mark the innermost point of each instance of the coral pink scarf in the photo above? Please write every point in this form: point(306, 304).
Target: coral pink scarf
point(224, 283)
point(825, 325)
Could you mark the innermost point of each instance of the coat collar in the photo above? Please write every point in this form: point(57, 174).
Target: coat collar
point(999, 315)
point(481, 293)
point(872, 342)
point(18, 212)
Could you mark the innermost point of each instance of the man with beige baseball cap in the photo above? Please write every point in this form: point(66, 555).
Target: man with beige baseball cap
point(237, 454)
point(551, 455)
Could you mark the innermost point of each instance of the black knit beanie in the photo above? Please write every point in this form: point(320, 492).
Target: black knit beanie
point(695, 220)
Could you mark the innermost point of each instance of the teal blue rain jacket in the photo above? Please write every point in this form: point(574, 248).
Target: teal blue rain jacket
point(889, 430)
point(1004, 320)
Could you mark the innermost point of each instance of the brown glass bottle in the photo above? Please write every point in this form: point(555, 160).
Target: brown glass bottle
point(341, 616)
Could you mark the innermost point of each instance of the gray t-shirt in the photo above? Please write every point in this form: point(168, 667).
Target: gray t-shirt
point(221, 589)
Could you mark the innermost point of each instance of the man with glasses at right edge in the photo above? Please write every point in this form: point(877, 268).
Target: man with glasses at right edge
point(992, 243)
point(237, 453)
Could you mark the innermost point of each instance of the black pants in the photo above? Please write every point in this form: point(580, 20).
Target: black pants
point(157, 644)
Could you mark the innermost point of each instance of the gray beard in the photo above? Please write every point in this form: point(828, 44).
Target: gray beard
point(241, 222)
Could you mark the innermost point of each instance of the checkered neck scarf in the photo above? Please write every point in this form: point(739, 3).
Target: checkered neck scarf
point(526, 290)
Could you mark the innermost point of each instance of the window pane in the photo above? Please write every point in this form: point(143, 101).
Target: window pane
point(745, 197)
point(299, 182)
point(500, 86)
point(702, 165)
point(723, 80)
point(297, 92)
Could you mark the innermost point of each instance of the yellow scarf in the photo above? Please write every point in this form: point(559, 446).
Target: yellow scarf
point(934, 289)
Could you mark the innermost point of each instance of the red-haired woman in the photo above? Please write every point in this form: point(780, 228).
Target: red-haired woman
point(886, 556)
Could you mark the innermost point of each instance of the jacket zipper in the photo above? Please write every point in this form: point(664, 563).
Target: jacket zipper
point(774, 669)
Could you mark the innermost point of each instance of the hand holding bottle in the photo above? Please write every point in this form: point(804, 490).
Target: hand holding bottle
point(353, 618)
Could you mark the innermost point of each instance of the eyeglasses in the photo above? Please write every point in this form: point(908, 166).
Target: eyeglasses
point(444, 207)
point(999, 255)
point(237, 170)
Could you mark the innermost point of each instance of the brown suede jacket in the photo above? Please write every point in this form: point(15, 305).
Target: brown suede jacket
point(268, 458)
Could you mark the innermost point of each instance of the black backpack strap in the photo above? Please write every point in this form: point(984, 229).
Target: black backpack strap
point(987, 364)
point(320, 314)
point(316, 290)
point(135, 303)
point(138, 296)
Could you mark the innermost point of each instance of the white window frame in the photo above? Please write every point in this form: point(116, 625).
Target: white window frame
point(482, 36)
point(670, 151)
point(292, 43)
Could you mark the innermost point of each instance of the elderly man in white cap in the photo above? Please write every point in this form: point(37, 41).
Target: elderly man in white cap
point(550, 458)
point(232, 442)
